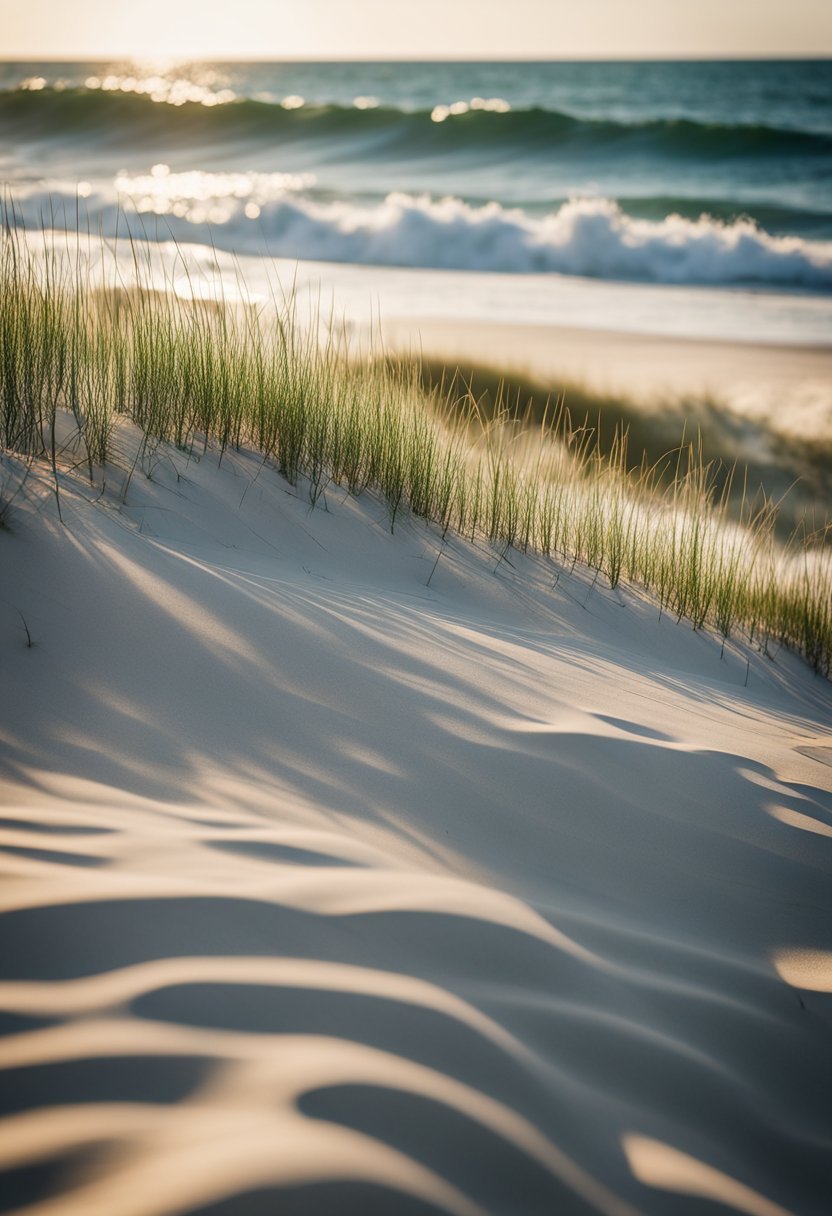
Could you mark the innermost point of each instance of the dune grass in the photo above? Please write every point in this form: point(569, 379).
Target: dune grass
point(783, 464)
point(200, 373)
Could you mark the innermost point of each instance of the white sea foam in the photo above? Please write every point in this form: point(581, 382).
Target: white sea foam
point(592, 237)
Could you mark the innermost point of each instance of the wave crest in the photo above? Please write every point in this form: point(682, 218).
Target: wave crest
point(590, 237)
point(479, 123)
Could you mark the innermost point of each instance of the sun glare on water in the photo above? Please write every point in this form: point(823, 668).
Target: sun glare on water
point(174, 85)
point(201, 197)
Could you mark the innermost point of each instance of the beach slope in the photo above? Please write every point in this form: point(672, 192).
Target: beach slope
point(349, 871)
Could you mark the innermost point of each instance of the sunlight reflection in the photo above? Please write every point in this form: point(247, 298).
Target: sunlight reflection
point(203, 197)
point(161, 88)
point(496, 105)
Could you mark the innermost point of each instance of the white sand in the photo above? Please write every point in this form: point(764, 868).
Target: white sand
point(327, 891)
point(609, 360)
point(788, 388)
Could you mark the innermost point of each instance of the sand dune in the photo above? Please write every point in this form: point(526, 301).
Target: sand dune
point(784, 389)
point(326, 890)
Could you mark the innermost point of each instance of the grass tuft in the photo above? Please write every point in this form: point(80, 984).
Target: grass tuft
point(194, 372)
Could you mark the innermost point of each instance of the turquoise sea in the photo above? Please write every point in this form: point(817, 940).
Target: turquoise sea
point(712, 173)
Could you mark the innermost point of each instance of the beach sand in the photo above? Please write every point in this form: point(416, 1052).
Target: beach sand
point(339, 879)
point(788, 382)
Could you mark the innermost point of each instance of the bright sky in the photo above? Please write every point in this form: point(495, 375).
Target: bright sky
point(414, 29)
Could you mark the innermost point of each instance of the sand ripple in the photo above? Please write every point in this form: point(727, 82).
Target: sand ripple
point(324, 891)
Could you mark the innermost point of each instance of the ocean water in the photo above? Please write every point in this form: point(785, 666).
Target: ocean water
point(712, 175)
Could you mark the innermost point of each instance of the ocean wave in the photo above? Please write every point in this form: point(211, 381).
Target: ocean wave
point(119, 115)
point(590, 237)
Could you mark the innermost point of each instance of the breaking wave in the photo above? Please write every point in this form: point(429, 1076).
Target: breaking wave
point(592, 237)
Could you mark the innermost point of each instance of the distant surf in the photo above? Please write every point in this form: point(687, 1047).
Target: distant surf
point(590, 237)
point(478, 123)
point(685, 174)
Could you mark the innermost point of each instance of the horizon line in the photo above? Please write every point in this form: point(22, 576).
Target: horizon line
point(578, 57)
